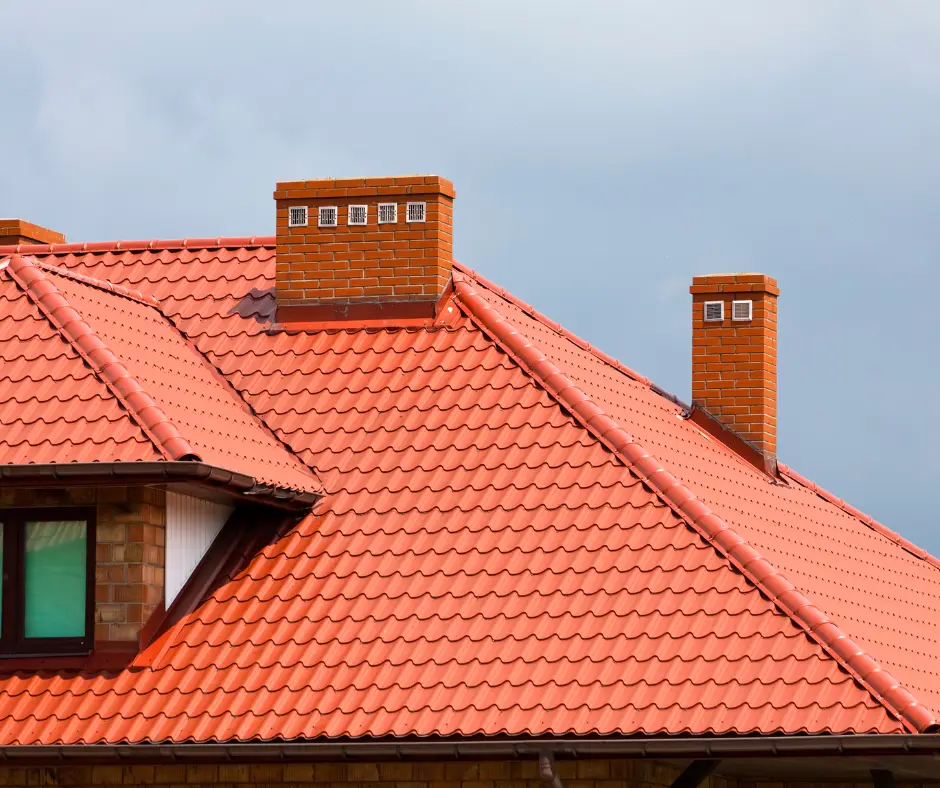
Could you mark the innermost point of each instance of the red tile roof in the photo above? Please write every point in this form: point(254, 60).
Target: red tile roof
point(125, 385)
point(499, 552)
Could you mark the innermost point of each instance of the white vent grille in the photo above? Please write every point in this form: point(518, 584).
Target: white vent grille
point(358, 214)
point(714, 311)
point(741, 310)
point(388, 212)
point(416, 211)
point(327, 216)
point(297, 216)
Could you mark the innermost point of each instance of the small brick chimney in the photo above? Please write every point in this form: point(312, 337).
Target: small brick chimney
point(15, 231)
point(361, 249)
point(734, 355)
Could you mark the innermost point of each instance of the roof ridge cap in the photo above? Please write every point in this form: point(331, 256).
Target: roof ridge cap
point(142, 408)
point(221, 242)
point(880, 684)
point(559, 329)
point(871, 522)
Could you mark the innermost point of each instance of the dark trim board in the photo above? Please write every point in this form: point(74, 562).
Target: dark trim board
point(657, 747)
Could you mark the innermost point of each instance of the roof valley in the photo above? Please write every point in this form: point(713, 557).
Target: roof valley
point(29, 276)
point(788, 599)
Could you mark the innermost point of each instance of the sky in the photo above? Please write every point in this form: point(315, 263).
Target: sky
point(603, 153)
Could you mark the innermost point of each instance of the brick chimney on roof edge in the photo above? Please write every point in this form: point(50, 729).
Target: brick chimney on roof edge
point(734, 355)
point(359, 249)
point(16, 231)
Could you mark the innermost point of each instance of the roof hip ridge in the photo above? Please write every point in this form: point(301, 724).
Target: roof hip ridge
point(101, 284)
point(866, 519)
point(153, 244)
point(31, 277)
point(559, 329)
point(880, 684)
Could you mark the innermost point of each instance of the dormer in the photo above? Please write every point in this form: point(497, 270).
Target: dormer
point(124, 458)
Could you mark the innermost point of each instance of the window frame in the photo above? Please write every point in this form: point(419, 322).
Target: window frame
point(13, 641)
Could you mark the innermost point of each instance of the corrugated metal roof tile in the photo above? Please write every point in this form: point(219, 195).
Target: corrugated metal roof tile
point(482, 564)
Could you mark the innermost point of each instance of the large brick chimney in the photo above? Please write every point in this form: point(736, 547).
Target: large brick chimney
point(734, 355)
point(361, 249)
point(15, 231)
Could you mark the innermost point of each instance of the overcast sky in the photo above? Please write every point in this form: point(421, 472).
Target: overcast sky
point(603, 153)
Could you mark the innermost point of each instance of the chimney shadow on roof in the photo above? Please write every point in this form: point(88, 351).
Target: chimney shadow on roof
point(258, 305)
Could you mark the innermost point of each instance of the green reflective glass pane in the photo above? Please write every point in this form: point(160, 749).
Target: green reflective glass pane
point(55, 579)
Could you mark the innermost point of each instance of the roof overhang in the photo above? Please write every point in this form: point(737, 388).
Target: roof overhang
point(795, 757)
point(194, 474)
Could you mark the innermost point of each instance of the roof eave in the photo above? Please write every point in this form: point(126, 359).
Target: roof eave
point(104, 474)
point(503, 748)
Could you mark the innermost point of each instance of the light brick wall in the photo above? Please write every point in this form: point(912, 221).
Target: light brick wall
point(486, 774)
point(129, 550)
point(364, 264)
point(734, 364)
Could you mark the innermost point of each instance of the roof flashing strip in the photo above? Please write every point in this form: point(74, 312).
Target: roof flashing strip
point(786, 597)
point(28, 273)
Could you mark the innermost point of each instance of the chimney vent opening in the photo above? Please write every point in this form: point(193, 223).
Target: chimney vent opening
point(358, 214)
point(741, 310)
point(714, 311)
point(388, 212)
point(327, 216)
point(416, 211)
point(297, 216)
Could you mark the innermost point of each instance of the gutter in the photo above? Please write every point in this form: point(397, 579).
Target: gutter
point(483, 749)
point(83, 474)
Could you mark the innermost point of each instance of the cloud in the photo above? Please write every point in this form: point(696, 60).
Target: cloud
point(603, 152)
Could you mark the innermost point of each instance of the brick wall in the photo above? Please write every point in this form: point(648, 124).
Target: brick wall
point(734, 363)
point(486, 774)
point(494, 774)
point(129, 550)
point(364, 264)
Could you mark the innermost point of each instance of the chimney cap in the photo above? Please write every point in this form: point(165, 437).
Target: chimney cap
point(19, 231)
point(734, 283)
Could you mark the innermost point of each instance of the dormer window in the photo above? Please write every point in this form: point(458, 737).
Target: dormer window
point(47, 592)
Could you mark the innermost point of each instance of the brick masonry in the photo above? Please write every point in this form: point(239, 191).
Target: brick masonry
point(734, 364)
point(486, 774)
point(374, 263)
point(463, 774)
point(16, 231)
point(129, 550)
